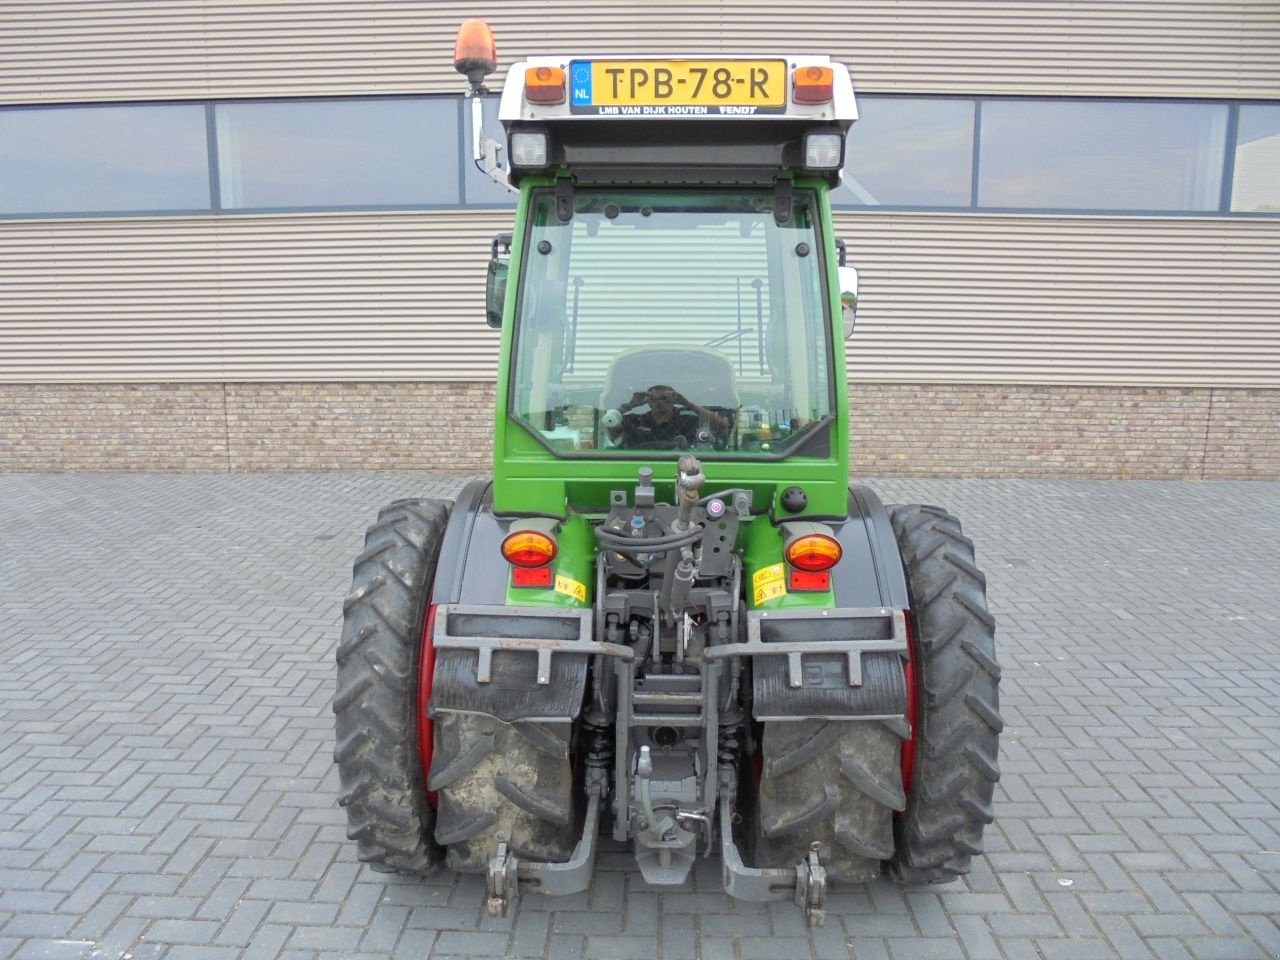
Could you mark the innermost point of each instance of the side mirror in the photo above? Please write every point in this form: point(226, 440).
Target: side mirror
point(495, 293)
point(848, 277)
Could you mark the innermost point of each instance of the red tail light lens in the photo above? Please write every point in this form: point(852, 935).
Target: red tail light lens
point(529, 548)
point(814, 552)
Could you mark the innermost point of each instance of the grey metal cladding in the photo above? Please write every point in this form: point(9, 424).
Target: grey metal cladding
point(86, 50)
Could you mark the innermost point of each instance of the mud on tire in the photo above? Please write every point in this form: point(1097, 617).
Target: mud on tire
point(958, 719)
point(511, 778)
point(837, 782)
point(379, 764)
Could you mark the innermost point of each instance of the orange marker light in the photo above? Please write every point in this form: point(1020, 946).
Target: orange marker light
point(812, 85)
point(475, 54)
point(529, 548)
point(544, 85)
point(813, 553)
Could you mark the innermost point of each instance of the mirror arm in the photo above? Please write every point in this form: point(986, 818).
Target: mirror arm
point(484, 149)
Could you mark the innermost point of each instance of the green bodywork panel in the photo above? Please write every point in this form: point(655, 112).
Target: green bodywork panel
point(573, 570)
point(529, 478)
point(764, 573)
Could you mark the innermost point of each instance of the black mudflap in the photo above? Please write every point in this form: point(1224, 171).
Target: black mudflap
point(512, 663)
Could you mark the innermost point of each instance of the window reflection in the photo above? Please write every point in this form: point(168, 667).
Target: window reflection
point(103, 159)
point(909, 153)
point(1256, 185)
point(1101, 156)
point(346, 153)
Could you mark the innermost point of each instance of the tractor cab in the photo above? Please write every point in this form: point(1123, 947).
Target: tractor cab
point(672, 285)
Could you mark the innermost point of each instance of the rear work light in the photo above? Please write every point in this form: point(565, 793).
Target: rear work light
point(822, 151)
point(812, 85)
point(813, 553)
point(529, 148)
point(544, 85)
point(529, 548)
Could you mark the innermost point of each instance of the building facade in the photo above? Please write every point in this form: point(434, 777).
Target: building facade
point(242, 236)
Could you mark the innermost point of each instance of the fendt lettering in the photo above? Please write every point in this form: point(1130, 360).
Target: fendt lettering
point(668, 616)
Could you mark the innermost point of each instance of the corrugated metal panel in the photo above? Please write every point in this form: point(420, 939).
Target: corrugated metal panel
point(248, 298)
point(945, 298)
point(1014, 299)
point(82, 50)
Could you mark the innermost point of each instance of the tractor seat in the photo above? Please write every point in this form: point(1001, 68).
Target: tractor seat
point(705, 376)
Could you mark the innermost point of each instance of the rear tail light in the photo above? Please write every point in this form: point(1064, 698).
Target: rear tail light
point(529, 548)
point(531, 576)
point(802, 580)
point(814, 552)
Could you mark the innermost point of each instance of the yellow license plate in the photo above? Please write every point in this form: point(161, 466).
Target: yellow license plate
point(677, 87)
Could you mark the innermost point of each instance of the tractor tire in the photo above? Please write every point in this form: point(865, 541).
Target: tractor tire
point(836, 782)
point(376, 704)
point(958, 724)
point(494, 778)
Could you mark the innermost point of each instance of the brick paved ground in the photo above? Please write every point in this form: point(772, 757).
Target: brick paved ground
point(166, 785)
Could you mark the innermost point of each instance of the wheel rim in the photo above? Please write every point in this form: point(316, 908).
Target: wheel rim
point(426, 671)
point(913, 719)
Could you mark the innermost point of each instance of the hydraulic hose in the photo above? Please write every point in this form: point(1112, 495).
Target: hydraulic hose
point(619, 544)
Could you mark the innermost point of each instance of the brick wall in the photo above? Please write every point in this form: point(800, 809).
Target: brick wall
point(937, 430)
point(1001, 431)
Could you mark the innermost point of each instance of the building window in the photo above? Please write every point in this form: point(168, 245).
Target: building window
point(905, 152)
point(1255, 187)
point(98, 160)
point(339, 153)
point(1088, 155)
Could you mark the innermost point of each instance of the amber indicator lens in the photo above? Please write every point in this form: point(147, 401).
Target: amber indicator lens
point(812, 85)
point(813, 553)
point(544, 85)
point(529, 548)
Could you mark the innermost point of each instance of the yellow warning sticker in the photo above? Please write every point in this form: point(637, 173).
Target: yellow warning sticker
point(768, 583)
point(571, 588)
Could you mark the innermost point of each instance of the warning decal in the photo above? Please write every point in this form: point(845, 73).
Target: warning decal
point(571, 588)
point(768, 583)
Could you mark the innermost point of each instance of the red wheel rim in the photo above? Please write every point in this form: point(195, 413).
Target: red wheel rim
point(909, 672)
point(426, 670)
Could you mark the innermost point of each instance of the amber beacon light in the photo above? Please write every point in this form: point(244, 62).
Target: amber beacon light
point(475, 54)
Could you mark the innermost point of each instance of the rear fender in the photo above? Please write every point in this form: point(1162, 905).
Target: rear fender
point(869, 573)
point(866, 604)
point(510, 661)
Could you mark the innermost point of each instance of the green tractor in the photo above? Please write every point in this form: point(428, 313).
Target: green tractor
point(668, 615)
